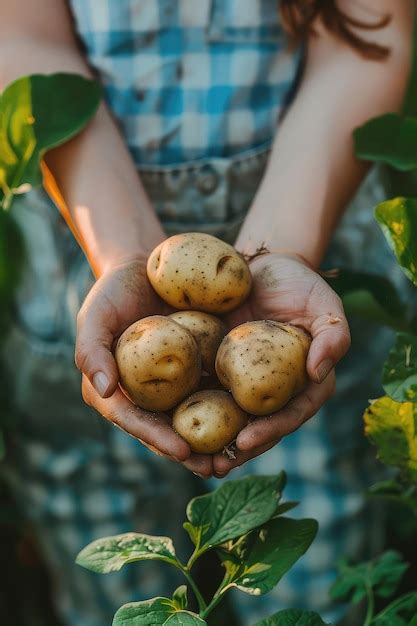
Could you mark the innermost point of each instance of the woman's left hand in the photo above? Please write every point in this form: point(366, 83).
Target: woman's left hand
point(287, 290)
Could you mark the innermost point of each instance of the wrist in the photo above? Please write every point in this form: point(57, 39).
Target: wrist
point(109, 264)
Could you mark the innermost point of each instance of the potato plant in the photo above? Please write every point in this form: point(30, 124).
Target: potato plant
point(244, 522)
point(391, 420)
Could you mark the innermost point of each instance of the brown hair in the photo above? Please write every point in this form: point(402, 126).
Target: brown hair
point(298, 17)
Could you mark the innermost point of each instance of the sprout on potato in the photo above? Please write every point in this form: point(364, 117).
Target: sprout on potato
point(207, 330)
point(209, 421)
point(159, 363)
point(263, 363)
point(198, 271)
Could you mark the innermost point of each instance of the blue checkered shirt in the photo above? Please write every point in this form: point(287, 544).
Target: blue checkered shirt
point(189, 79)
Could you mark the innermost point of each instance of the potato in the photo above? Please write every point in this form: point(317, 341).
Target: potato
point(159, 363)
point(263, 363)
point(209, 421)
point(199, 271)
point(207, 330)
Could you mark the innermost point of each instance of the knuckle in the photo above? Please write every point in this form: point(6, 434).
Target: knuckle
point(345, 340)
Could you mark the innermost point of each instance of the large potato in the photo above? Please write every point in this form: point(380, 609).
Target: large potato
point(199, 271)
point(209, 421)
point(207, 330)
point(263, 363)
point(159, 363)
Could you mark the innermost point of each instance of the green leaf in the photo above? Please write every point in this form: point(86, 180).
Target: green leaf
point(391, 426)
point(285, 507)
point(413, 622)
point(152, 612)
point(399, 612)
point(390, 486)
point(398, 220)
point(399, 376)
point(267, 554)
point(293, 617)
point(37, 113)
point(383, 575)
point(179, 597)
point(391, 139)
point(184, 618)
point(235, 508)
point(110, 554)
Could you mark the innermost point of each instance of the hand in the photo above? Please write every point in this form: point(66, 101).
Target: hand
point(118, 298)
point(287, 290)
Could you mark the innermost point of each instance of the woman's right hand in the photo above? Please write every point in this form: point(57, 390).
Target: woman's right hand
point(121, 296)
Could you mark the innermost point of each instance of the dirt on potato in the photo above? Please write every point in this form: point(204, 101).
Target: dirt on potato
point(263, 363)
point(209, 421)
point(159, 363)
point(198, 271)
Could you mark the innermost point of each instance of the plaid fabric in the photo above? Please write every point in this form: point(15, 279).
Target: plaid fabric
point(78, 478)
point(189, 79)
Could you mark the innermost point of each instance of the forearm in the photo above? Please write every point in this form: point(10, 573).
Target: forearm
point(101, 196)
point(312, 171)
point(104, 201)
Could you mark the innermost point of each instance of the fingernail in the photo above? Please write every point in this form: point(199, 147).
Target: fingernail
point(324, 370)
point(100, 382)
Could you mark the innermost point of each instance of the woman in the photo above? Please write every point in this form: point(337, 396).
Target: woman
point(199, 91)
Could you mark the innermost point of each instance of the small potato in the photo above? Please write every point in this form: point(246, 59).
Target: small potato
point(159, 363)
point(209, 421)
point(207, 330)
point(263, 363)
point(199, 271)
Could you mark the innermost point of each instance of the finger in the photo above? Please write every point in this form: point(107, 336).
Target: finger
point(152, 429)
point(222, 465)
point(96, 324)
point(330, 332)
point(200, 464)
point(264, 430)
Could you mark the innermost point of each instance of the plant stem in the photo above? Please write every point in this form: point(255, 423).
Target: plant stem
point(193, 558)
point(370, 609)
point(218, 596)
point(393, 605)
point(202, 605)
point(7, 201)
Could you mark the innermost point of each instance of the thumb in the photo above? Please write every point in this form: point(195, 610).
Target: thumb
point(96, 324)
point(331, 341)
